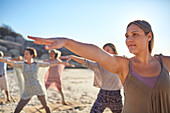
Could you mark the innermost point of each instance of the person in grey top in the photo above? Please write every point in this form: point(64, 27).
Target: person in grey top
point(109, 83)
point(30, 78)
point(3, 78)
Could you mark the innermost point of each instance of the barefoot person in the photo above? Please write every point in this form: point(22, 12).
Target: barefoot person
point(109, 83)
point(145, 77)
point(30, 78)
point(3, 77)
point(54, 74)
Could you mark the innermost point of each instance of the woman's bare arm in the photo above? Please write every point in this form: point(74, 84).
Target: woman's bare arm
point(7, 61)
point(166, 61)
point(57, 63)
point(114, 64)
point(75, 58)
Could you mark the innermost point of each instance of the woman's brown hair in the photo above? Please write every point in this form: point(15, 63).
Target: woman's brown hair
point(146, 27)
point(56, 52)
point(111, 46)
point(32, 51)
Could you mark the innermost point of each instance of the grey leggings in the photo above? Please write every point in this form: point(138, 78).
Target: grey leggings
point(22, 103)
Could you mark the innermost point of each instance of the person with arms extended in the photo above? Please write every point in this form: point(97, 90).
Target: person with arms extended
point(109, 83)
point(53, 77)
point(145, 77)
point(3, 77)
point(30, 75)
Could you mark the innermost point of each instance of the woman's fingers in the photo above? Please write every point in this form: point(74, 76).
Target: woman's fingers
point(42, 41)
point(51, 43)
point(31, 37)
point(70, 65)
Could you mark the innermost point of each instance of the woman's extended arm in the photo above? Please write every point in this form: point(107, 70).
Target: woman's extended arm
point(7, 61)
point(75, 58)
point(57, 63)
point(166, 61)
point(114, 64)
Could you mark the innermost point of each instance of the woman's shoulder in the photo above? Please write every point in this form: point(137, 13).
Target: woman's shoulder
point(124, 60)
point(166, 61)
point(19, 62)
point(162, 58)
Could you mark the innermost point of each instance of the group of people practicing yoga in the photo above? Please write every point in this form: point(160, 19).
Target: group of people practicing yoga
point(145, 78)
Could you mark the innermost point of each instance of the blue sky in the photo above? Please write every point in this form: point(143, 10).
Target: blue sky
point(90, 21)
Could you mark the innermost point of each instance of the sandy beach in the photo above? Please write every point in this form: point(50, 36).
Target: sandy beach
point(77, 87)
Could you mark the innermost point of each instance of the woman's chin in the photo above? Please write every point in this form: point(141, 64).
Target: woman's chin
point(132, 52)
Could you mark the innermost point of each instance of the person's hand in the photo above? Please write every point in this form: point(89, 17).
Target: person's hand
point(51, 43)
point(69, 57)
point(42, 41)
point(67, 64)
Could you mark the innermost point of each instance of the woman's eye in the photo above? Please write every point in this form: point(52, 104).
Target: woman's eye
point(134, 34)
point(126, 36)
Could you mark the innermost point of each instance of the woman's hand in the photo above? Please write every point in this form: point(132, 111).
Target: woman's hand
point(51, 43)
point(69, 57)
point(67, 64)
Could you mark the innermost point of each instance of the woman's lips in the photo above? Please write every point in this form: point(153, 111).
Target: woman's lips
point(131, 46)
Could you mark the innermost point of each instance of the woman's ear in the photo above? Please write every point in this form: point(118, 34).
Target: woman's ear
point(149, 36)
point(32, 56)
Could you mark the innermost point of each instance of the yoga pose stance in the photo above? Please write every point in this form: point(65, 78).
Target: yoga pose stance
point(109, 83)
point(145, 77)
point(30, 78)
point(53, 75)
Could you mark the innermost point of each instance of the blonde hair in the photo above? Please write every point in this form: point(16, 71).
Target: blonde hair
point(1, 54)
point(56, 52)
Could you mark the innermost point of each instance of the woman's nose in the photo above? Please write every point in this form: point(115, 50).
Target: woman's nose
point(129, 38)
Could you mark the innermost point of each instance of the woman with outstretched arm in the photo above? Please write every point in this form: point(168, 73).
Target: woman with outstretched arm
point(145, 77)
point(30, 78)
point(53, 76)
point(109, 83)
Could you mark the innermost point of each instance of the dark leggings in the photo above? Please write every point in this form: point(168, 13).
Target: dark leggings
point(110, 99)
point(22, 103)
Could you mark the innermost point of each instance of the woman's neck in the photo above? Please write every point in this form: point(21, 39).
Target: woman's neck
point(30, 61)
point(53, 58)
point(143, 57)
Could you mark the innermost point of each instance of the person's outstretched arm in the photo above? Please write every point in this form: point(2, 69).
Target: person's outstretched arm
point(75, 58)
point(57, 63)
point(7, 61)
point(85, 62)
point(88, 51)
point(166, 61)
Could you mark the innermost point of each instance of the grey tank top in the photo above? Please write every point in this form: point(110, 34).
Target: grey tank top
point(140, 98)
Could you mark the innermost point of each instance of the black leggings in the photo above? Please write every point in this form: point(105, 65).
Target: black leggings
point(22, 103)
point(110, 99)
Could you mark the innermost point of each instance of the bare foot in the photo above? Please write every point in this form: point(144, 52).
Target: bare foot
point(42, 107)
point(63, 103)
point(9, 101)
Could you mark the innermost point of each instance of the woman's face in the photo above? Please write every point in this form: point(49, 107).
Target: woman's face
point(136, 40)
point(108, 49)
point(27, 55)
point(52, 55)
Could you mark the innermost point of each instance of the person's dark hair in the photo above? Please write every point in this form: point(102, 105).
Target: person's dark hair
point(1, 54)
point(32, 51)
point(111, 46)
point(146, 27)
point(56, 52)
